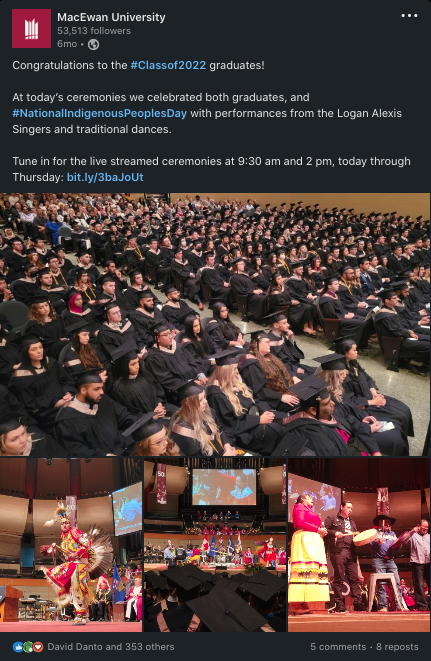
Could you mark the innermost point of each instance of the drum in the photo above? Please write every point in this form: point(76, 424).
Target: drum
point(365, 537)
point(402, 539)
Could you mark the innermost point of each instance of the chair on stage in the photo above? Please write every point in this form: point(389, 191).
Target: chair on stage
point(387, 578)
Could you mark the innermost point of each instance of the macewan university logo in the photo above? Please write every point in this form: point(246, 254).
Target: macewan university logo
point(31, 28)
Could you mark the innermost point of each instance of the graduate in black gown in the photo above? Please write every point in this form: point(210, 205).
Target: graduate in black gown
point(40, 382)
point(10, 355)
point(363, 391)
point(315, 430)
point(45, 323)
point(299, 314)
point(91, 423)
point(81, 355)
point(182, 269)
point(194, 429)
point(301, 291)
point(196, 344)
point(169, 363)
point(235, 409)
point(19, 440)
point(144, 315)
point(221, 331)
point(266, 376)
point(175, 308)
point(242, 285)
point(114, 331)
point(351, 325)
point(367, 428)
point(134, 387)
point(215, 278)
point(284, 346)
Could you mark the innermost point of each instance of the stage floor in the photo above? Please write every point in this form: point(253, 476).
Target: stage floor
point(54, 627)
point(360, 622)
point(281, 569)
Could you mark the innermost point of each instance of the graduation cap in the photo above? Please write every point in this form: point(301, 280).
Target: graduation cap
point(189, 313)
point(24, 341)
point(350, 210)
point(159, 327)
point(238, 259)
point(329, 281)
point(104, 277)
point(125, 348)
point(169, 289)
point(346, 267)
point(188, 577)
point(79, 326)
point(178, 249)
point(275, 317)
point(298, 263)
point(144, 427)
point(37, 297)
point(145, 293)
point(263, 585)
point(223, 610)
point(159, 582)
point(310, 391)
point(82, 251)
point(189, 389)
point(340, 341)
point(9, 422)
point(332, 361)
point(227, 357)
point(89, 376)
point(258, 335)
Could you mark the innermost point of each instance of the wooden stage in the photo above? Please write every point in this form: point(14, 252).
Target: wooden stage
point(395, 622)
point(279, 571)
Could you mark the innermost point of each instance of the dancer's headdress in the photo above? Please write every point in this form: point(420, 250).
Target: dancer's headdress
point(61, 514)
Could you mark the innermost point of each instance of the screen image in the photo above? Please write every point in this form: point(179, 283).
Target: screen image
point(127, 509)
point(224, 487)
point(327, 499)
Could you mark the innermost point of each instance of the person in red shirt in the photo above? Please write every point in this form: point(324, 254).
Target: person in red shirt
point(308, 567)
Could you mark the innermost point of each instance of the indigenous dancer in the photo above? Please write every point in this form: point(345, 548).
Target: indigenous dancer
point(86, 556)
point(268, 552)
point(134, 600)
point(308, 568)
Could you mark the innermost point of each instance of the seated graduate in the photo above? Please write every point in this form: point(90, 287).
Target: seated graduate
point(300, 315)
point(182, 268)
point(81, 356)
point(223, 609)
point(76, 309)
point(195, 343)
point(235, 409)
point(367, 428)
point(363, 391)
point(194, 428)
point(266, 376)
point(40, 382)
point(143, 316)
point(137, 286)
point(284, 346)
point(16, 440)
point(45, 324)
point(164, 598)
point(315, 430)
point(152, 438)
point(91, 423)
point(169, 363)
point(221, 331)
point(10, 354)
point(186, 584)
point(351, 325)
point(115, 330)
point(133, 386)
point(174, 308)
point(267, 596)
point(243, 285)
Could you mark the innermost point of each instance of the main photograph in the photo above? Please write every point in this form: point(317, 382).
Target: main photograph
point(214, 324)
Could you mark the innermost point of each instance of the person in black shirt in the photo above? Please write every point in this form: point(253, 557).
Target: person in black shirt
point(343, 556)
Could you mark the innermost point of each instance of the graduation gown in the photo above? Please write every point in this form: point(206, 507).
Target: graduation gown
point(50, 334)
point(290, 354)
point(22, 289)
point(245, 429)
point(85, 432)
point(255, 378)
point(142, 323)
point(70, 318)
point(358, 388)
point(183, 435)
point(162, 264)
point(256, 303)
point(41, 391)
point(139, 396)
point(390, 323)
point(314, 437)
point(170, 368)
point(332, 308)
point(111, 338)
point(218, 338)
point(172, 313)
point(177, 620)
point(10, 355)
point(214, 279)
point(191, 285)
point(203, 364)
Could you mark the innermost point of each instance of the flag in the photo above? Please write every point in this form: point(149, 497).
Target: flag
point(283, 492)
point(239, 543)
point(129, 579)
point(205, 544)
point(161, 484)
point(212, 547)
point(117, 586)
point(230, 546)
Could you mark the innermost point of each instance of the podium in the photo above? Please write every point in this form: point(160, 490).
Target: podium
point(9, 605)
